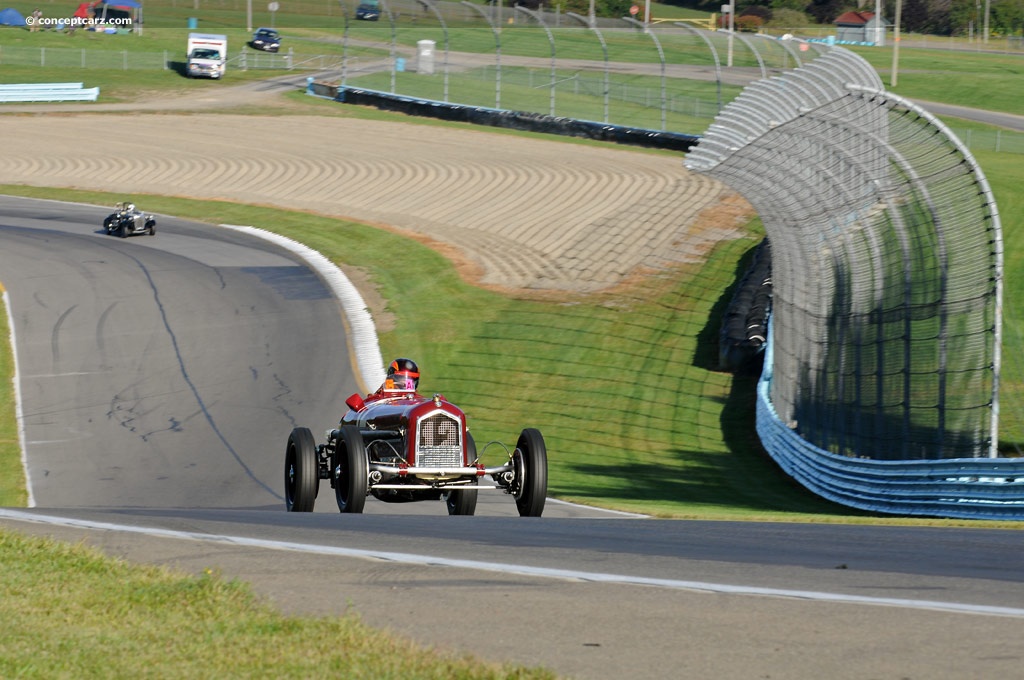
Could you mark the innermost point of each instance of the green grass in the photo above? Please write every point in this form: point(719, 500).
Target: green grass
point(220, 15)
point(120, 86)
point(672, 452)
point(544, 352)
point(591, 377)
point(971, 79)
point(12, 480)
point(70, 612)
point(622, 356)
point(633, 100)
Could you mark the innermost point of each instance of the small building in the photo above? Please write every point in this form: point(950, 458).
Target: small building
point(860, 27)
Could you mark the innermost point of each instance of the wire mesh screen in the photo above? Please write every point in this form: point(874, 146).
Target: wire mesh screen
point(886, 266)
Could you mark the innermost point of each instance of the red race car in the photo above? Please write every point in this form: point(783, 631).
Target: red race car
point(401, 446)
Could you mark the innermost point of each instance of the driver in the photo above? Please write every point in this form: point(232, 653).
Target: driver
point(403, 376)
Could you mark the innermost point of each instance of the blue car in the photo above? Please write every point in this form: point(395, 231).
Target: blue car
point(368, 11)
point(266, 39)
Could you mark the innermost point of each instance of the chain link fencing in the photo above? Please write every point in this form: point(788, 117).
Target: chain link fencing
point(887, 263)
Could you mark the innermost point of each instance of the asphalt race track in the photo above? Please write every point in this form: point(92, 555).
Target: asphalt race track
point(163, 370)
point(160, 377)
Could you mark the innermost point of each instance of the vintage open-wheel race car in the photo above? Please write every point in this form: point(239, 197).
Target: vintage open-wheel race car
point(399, 446)
point(126, 221)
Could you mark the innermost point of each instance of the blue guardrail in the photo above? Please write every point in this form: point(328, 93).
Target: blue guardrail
point(963, 488)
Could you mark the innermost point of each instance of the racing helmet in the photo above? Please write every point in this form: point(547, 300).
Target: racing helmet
point(403, 375)
point(130, 207)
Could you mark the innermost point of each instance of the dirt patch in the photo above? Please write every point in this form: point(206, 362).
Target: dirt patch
point(530, 218)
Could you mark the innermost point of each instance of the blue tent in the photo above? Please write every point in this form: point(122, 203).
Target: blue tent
point(11, 17)
point(127, 7)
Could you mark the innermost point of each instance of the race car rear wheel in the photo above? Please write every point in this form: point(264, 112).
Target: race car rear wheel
point(530, 464)
point(301, 477)
point(460, 502)
point(351, 470)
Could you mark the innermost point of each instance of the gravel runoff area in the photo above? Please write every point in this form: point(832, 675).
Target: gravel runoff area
point(513, 212)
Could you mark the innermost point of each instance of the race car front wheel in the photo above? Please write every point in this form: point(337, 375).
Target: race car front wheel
point(530, 464)
point(351, 469)
point(463, 502)
point(301, 477)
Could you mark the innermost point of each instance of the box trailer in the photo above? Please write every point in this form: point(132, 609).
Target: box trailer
point(207, 55)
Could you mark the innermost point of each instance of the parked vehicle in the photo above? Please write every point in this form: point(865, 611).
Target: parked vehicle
point(368, 10)
point(126, 220)
point(207, 55)
point(266, 39)
point(400, 446)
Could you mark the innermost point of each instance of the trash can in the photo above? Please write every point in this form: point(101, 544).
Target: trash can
point(400, 64)
point(193, 22)
point(425, 57)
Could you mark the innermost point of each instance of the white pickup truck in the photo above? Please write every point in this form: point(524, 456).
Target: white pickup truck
point(207, 55)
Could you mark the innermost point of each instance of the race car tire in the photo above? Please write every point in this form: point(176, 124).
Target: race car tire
point(152, 228)
point(351, 470)
point(122, 230)
point(108, 222)
point(301, 476)
point(530, 464)
point(460, 502)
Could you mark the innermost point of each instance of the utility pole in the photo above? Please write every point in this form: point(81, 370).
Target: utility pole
point(896, 44)
point(879, 25)
point(985, 39)
point(732, 28)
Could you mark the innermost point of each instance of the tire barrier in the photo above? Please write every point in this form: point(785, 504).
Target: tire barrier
point(744, 329)
point(514, 120)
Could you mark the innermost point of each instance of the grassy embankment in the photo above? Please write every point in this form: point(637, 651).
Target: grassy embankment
point(685, 452)
point(682, 452)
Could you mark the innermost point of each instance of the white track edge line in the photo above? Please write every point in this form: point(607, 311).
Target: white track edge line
point(523, 570)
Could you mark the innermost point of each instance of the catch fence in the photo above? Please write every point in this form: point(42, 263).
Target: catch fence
point(672, 77)
point(887, 269)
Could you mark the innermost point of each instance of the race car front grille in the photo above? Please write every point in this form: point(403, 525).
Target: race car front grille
point(439, 441)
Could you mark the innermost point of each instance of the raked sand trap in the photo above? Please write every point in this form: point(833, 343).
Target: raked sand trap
point(528, 213)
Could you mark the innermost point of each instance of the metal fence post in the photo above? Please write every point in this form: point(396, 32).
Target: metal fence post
point(661, 55)
point(590, 23)
point(444, 27)
point(551, 40)
point(497, 48)
point(714, 54)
